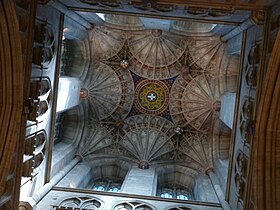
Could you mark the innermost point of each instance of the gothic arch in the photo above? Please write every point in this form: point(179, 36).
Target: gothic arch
point(266, 147)
point(73, 124)
point(76, 64)
point(110, 172)
point(79, 202)
point(11, 102)
point(178, 178)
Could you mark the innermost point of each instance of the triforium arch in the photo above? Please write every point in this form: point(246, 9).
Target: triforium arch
point(79, 202)
point(133, 205)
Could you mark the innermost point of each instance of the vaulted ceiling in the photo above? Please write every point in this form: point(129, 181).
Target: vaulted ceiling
point(144, 84)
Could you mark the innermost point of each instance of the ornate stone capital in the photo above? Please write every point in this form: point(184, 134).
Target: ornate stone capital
point(258, 17)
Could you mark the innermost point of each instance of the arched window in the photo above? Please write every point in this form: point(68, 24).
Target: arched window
point(175, 192)
point(166, 195)
point(99, 188)
point(114, 187)
point(182, 197)
point(182, 194)
point(107, 185)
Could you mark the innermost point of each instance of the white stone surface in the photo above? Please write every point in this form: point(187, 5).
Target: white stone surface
point(204, 190)
point(227, 109)
point(68, 93)
point(140, 181)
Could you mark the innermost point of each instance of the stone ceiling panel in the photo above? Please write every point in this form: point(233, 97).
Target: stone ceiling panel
point(105, 42)
point(156, 54)
point(107, 93)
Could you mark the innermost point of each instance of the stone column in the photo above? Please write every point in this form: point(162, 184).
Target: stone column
point(140, 181)
point(218, 189)
point(32, 201)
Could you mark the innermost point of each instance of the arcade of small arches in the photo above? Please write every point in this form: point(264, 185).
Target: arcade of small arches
point(92, 203)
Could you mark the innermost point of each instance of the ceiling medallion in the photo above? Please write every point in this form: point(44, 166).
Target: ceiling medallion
point(151, 97)
point(124, 64)
point(156, 32)
point(143, 164)
point(84, 93)
point(217, 106)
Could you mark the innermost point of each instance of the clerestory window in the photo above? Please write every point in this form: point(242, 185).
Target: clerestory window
point(177, 193)
point(107, 185)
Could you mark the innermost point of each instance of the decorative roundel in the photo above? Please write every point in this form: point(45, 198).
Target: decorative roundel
point(84, 93)
point(151, 96)
point(124, 64)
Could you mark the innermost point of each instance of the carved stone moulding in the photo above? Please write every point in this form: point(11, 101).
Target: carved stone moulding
point(240, 173)
point(107, 3)
point(254, 54)
point(244, 130)
point(247, 108)
point(78, 202)
point(251, 76)
point(133, 205)
point(208, 12)
point(258, 17)
point(223, 12)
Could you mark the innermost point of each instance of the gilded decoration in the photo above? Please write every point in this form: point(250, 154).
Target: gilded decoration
point(151, 96)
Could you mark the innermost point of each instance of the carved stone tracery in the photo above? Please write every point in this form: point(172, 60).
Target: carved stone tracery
point(78, 202)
